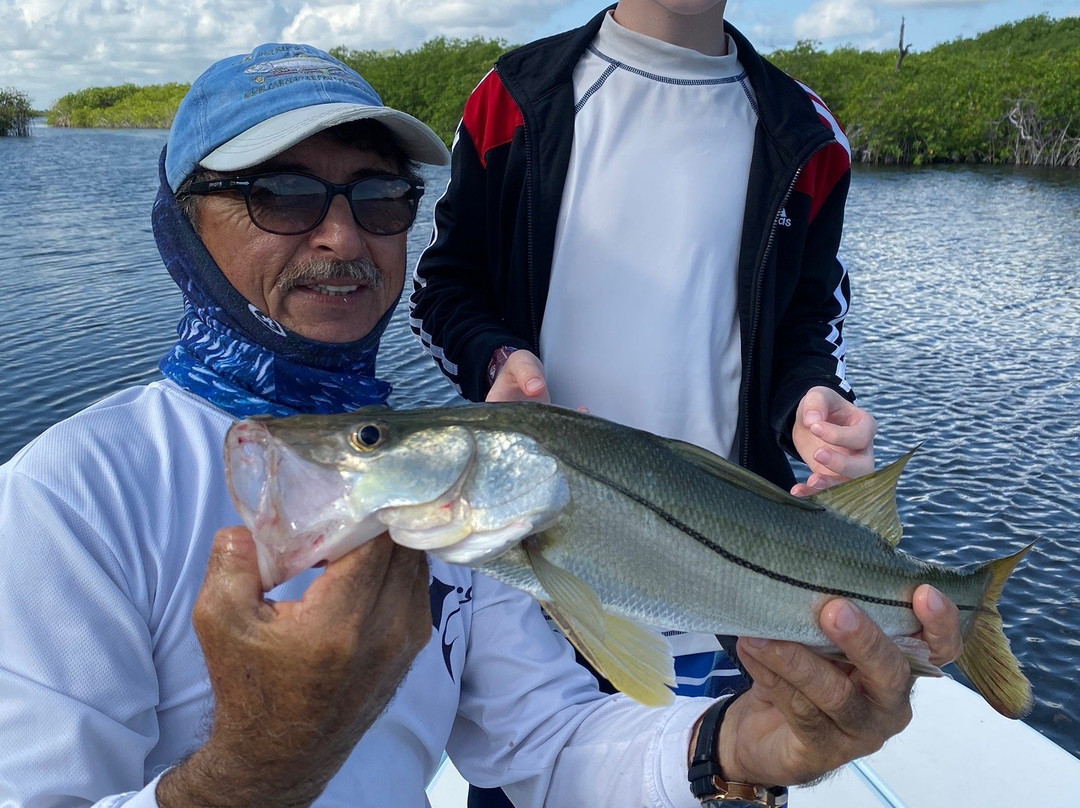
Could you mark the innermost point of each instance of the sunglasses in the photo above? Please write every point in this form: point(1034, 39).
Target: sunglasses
point(288, 203)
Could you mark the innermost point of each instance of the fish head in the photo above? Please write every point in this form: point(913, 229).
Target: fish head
point(312, 488)
point(449, 482)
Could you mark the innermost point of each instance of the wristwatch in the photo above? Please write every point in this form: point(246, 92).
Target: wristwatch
point(707, 785)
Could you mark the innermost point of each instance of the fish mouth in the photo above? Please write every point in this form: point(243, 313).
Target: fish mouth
point(297, 510)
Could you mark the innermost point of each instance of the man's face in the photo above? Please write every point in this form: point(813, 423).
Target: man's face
point(293, 278)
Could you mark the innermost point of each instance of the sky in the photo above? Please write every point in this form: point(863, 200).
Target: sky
point(52, 47)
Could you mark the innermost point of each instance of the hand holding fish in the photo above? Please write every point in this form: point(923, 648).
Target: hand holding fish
point(296, 684)
point(521, 378)
point(806, 715)
point(834, 438)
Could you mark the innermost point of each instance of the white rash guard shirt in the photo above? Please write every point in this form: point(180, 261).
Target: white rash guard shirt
point(106, 522)
point(641, 323)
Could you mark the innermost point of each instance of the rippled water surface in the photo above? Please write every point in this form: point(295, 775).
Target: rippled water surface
point(964, 338)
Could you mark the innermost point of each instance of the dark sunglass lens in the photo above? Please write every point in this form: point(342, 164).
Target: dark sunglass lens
point(286, 203)
point(383, 205)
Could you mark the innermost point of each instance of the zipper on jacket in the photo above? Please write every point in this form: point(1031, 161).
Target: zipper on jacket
point(744, 456)
point(530, 261)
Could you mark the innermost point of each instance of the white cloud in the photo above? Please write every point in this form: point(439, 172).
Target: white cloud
point(837, 20)
point(932, 4)
point(53, 47)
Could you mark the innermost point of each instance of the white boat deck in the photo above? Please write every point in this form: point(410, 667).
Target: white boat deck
point(956, 752)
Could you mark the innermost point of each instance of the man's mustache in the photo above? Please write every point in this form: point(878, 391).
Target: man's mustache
point(321, 270)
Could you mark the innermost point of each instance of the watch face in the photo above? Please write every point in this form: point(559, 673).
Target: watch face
point(745, 794)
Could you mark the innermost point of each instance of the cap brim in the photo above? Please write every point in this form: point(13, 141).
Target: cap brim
point(274, 135)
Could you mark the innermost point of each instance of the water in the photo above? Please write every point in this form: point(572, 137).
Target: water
point(965, 338)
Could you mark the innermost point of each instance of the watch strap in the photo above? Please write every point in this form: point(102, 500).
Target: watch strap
point(706, 782)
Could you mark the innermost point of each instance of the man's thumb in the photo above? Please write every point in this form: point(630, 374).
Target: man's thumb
point(232, 572)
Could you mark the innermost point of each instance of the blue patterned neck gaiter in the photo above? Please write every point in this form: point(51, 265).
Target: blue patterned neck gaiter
point(235, 356)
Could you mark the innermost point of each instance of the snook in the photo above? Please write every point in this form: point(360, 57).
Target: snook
point(608, 527)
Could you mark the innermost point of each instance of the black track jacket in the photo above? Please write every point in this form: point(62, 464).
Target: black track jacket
point(483, 280)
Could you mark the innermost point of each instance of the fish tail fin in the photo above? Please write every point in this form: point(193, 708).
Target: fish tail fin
point(987, 660)
point(634, 659)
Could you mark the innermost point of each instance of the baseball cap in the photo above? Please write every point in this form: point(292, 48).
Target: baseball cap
point(248, 108)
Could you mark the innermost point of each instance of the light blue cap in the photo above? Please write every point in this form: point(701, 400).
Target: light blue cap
point(246, 109)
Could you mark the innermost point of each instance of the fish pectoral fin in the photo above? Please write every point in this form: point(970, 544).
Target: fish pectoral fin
point(634, 659)
point(870, 500)
point(569, 595)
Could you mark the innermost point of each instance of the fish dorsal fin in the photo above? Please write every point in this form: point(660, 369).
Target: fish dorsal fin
point(870, 500)
point(635, 660)
point(732, 473)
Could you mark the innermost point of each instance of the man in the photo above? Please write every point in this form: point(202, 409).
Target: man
point(655, 211)
point(141, 664)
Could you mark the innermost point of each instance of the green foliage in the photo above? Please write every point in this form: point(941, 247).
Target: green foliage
point(431, 82)
point(124, 106)
point(1027, 38)
point(15, 113)
point(1009, 95)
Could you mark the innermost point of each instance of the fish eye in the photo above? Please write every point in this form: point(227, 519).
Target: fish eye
point(366, 437)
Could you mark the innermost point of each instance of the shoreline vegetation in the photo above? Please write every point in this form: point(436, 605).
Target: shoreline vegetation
point(15, 113)
point(1007, 96)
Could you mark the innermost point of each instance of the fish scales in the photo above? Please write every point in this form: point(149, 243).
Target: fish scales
point(608, 527)
point(793, 561)
point(795, 541)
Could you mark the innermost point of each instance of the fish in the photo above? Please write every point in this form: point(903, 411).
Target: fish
point(618, 532)
point(294, 64)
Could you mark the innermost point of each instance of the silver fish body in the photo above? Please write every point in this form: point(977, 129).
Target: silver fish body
point(544, 498)
point(728, 575)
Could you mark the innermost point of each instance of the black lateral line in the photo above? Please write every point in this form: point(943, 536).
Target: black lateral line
point(742, 562)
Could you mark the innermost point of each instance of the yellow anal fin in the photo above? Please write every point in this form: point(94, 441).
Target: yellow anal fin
point(870, 500)
point(987, 660)
point(915, 651)
point(634, 659)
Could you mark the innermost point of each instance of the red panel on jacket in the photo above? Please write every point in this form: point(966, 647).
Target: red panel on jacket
point(491, 116)
point(820, 175)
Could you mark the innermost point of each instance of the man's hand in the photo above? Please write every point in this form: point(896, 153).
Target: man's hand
point(521, 378)
point(834, 438)
point(805, 715)
point(296, 684)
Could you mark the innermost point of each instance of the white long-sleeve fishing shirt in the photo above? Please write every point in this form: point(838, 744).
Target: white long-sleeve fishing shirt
point(106, 522)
